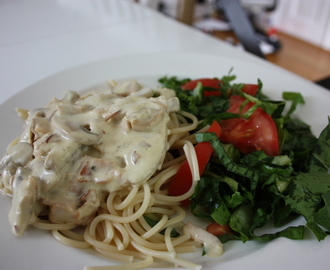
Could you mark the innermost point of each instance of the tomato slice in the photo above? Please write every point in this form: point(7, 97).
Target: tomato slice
point(259, 132)
point(182, 180)
point(206, 82)
point(218, 229)
point(250, 89)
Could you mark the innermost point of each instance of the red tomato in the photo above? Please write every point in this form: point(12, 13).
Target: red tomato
point(206, 82)
point(218, 229)
point(181, 182)
point(247, 135)
point(250, 89)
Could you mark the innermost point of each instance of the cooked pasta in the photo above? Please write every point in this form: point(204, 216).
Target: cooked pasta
point(121, 227)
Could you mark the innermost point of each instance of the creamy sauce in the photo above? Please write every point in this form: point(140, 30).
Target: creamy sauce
point(212, 245)
point(75, 151)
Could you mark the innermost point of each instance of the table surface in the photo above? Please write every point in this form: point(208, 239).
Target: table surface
point(40, 38)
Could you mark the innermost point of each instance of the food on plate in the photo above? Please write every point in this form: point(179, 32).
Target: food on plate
point(117, 170)
point(102, 161)
point(266, 167)
point(79, 149)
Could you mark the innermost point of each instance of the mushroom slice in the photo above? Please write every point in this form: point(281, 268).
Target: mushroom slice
point(24, 200)
point(75, 131)
point(127, 87)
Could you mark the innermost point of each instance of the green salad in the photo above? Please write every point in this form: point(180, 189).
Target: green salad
point(266, 166)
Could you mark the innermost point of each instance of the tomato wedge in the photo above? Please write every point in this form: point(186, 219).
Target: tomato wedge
point(250, 89)
point(206, 82)
point(182, 180)
point(218, 229)
point(259, 132)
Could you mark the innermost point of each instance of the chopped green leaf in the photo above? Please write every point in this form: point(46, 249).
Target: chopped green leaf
point(296, 99)
point(248, 192)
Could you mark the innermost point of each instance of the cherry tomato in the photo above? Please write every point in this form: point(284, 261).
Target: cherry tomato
point(182, 180)
point(218, 229)
point(247, 135)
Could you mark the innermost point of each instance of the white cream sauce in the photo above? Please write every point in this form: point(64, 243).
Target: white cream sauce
point(75, 151)
point(212, 245)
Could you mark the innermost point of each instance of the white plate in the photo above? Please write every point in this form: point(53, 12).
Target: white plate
point(38, 250)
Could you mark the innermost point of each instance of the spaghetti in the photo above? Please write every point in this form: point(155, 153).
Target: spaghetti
point(139, 223)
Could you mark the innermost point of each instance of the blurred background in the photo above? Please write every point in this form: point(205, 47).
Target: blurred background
point(294, 34)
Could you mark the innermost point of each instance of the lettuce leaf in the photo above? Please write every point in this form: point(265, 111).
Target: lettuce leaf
point(269, 189)
point(249, 192)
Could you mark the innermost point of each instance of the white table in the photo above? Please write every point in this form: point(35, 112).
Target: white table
point(39, 38)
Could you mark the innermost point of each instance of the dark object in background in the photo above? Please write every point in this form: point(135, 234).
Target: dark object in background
point(242, 26)
point(325, 82)
point(243, 21)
